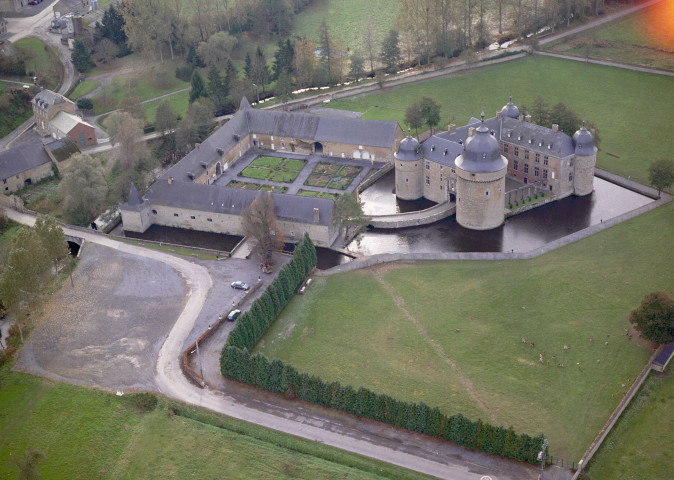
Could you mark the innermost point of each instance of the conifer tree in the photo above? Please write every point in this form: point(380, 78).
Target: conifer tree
point(198, 87)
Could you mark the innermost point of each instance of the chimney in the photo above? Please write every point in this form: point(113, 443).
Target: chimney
point(451, 128)
point(471, 131)
point(499, 115)
point(316, 216)
point(521, 118)
point(170, 180)
point(527, 119)
point(593, 131)
point(555, 127)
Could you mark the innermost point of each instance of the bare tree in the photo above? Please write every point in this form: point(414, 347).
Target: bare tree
point(369, 45)
point(260, 225)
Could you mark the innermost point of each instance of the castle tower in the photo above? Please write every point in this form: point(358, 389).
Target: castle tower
point(136, 212)
point(409, 169)
point(510, 110)
point(480, 182)
point(586, 158)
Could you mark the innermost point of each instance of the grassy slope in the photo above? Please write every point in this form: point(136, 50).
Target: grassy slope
point(645, 424)
point(41, 61)
point(84, 87)
point(632, 110)
point(179, 101)
point(349, 328)
point(629, 40)
point(348, 19)
point(98, 435)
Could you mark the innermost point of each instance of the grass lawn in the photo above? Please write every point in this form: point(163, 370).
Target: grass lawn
point(634, 39)
point(94, 434)
point(179, 101)
point(640, 445)
point(149, 84)
point(44, 197)
point(629, 108)
point(84, 87)
point(41, 61)
point(274, 169)
point(348, 19)
point(450, 333)
point(311, 193)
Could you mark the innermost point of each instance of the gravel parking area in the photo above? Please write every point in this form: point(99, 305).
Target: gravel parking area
point(108, 329)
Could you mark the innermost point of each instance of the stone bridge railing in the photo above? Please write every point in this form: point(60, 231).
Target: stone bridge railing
point(414, 219)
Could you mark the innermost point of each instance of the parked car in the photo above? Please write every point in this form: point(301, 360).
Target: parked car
point(239, 285)
point(233, 315)
point(32, 2)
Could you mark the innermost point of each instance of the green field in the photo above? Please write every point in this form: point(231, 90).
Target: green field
point(86, 434)
point(629, 40)
point(84, 87)
point(311, 193)
point(179, 101)
point(627, 107)
point(348, 19)
point(450, 333)
point(41, 62)
point(640, 445)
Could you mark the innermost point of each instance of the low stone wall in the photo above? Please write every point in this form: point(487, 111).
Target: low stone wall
point(530, 206)
point(413, 219)
point(369, 181)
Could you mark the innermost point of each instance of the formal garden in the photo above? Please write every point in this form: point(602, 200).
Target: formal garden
point(256, 186)
point(312, 193)
point(274, 169)
point(332, 175)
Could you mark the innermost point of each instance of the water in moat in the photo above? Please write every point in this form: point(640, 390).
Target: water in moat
point(520, 233)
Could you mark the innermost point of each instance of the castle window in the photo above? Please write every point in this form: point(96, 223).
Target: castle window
point(537, 158)
point(515, 165)
point(175, 214)
point(571, 163)
point(4, 180)
point(536, 171)
point(545, 160)
point(453, 171)
point(517, 151)
point(428, 180)
point(526, 168)
point(570, 177)
point(407, 180)
point(428, 165)
point(154, 211)
point(209, 219)
point(526, 154)
point(486, 193)
point(193, 217)
point(506, 148)
point(545, 173)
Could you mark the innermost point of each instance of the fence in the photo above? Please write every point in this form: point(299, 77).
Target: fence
point(561, 462)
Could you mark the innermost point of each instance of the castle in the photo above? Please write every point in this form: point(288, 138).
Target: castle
point(467, 164)
point(470, 164)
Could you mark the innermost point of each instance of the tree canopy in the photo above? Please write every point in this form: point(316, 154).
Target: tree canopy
point(654, 317)
point(260, 225)
point(81, 58)
point(390, 52)
point(661, 174)
point(84, 189)
point(349, 213)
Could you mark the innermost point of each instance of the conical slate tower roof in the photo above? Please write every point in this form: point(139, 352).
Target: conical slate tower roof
point(134, 201)
point(584, 142)
point(244, 105)
point(481, 153)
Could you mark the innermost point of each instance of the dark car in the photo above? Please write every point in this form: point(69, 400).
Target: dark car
point(239, 285)
point(233, 315)
point(32, 2)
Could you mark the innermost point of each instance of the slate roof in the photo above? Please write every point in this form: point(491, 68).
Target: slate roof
point(46, 98)
point(409, 150)
point(283, 124)
point(22, 158)
point(441, 150)
point(536, 138)
point(665, 355)
point(133, 202)
point(482, 152)
point(217, 199)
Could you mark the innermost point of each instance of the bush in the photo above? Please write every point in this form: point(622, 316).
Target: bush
point(184, 73)
point(85, 103)
point(654, 317)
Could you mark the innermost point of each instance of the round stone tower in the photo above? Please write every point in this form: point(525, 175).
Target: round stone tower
point(586, 158)
point(480, 182)
point(510, 110)
point(409, 169)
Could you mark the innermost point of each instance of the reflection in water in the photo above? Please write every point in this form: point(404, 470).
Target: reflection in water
point(380, 198)
point(520, 233)
point(190, 238)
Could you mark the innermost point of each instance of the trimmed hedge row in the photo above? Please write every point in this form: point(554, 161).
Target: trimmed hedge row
point(254, 323)
point(238, 364)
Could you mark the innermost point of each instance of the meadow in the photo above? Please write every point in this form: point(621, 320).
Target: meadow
point(635, 447)
point(628, 108)
point(452, 334)
point(95, 434)
point(632, 40)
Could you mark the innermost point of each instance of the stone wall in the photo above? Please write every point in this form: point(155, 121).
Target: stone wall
point(479, 199)
point(438, 181)
point(409, 183)
point(584, 174)
point(17, 182)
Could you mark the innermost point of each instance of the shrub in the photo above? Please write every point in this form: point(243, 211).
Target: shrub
point(85, 103)
point(184, 73)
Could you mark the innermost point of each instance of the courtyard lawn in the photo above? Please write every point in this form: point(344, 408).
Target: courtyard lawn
point(629, 108)
point(640, 445)
point(451, 334)
point(274, 169)
point(86, 433)
point(629, 40)
point(84, 87)
point(348, 19)
point(311, 193)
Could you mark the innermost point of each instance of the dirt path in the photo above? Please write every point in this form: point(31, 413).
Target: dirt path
point(465, 381)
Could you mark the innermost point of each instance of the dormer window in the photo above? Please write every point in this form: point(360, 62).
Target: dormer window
point(484, 155)
point(531, 140)
point(433, 148)
point(510, 134)
point(445, 152)
point(460, 142)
